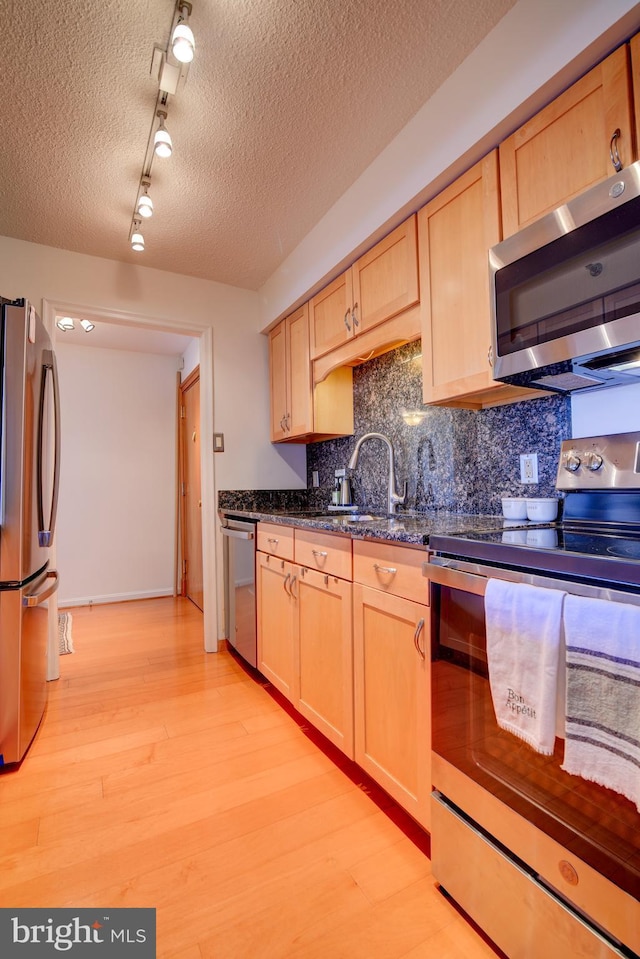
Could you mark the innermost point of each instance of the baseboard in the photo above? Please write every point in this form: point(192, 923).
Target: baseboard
point(114, 598)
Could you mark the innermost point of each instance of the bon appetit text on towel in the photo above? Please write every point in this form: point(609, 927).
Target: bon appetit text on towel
point(524, 630)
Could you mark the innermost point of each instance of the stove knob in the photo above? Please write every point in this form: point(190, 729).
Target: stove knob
point(593, 461)
point(571, 461)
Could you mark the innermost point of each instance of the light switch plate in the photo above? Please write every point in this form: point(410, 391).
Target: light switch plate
point(218, 442)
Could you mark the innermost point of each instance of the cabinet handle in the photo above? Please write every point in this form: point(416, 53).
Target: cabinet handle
point(286, 422)
point(271, 539)
point(490, 356)
point(354, 314)
point(282, 426)
point(346, 320)
point(319, 552)
point(416, 638)
point(291, 585)
point(385, 569)
point(613, 151)
point(285, 584)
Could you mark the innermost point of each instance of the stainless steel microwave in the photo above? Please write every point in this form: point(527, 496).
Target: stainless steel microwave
point(566, 293)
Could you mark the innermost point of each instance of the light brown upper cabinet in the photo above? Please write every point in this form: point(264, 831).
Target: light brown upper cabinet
point(379, 285)
point(299, 412)
point(570, 145)
point(455, 232)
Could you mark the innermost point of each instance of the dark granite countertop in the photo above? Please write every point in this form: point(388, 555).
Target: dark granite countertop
point(410, 528)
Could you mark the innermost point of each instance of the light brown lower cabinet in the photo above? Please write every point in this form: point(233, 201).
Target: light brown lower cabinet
point(392, 696)
point(276, 606)
point(324, 660)
point(305, 643)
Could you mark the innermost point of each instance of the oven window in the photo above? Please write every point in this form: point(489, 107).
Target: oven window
point(598, 825)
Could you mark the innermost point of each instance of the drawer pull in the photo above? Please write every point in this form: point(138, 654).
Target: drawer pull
point(320, 552)
point(416, 638)
point(391, 570)
point(272, 540)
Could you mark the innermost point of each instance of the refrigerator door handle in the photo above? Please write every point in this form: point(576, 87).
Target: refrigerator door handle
point(46, 528)
point(36, 599)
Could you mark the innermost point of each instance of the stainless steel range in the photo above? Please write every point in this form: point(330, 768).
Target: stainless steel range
point(541, 846)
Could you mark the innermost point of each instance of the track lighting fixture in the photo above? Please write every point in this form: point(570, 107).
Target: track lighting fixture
point(162, 145)
point(145, 203)
point(183, 43)
point(169, 69)
point(87, 325)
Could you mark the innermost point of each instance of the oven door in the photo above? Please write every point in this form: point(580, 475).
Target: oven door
point(576, 840)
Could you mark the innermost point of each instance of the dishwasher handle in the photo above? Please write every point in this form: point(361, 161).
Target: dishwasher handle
point(237, 533)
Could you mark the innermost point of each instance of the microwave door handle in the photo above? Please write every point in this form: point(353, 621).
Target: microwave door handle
point(46, 528)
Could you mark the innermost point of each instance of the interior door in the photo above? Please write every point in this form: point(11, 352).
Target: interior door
point(192, 585)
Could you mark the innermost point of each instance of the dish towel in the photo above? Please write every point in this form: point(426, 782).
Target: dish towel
point(524, 628)
point(603, 694)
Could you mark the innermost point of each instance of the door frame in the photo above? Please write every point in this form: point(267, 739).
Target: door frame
point(211, 568)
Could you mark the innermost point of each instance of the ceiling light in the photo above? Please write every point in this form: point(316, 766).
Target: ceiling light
point(87, 325)
point(145, 203)
point(183, 44)
point(65, 323)
point(137, 239)
point(162, 144)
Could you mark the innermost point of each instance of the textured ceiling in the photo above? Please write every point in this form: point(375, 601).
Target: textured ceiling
point(286, 103)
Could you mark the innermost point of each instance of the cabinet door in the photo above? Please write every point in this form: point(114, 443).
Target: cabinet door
point(276, 623)
point(385, 279)
point(279, 387)
point(456, 230)
point(392, 696)
point(325, 655)
point(566, 148)
point(330, 316)
point(300, 400)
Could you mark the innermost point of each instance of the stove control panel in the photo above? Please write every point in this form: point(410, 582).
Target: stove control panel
point(600, 462)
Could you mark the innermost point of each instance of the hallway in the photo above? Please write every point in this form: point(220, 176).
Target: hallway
point(165, 777)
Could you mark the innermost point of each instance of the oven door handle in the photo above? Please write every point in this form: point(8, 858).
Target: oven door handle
point(455, 578)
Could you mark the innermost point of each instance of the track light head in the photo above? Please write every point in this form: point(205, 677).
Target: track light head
point(183, 44)
point(162, 145)
point(144, 206)
point(137, 239)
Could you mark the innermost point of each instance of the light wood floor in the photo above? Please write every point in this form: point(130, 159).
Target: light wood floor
point(163, 776)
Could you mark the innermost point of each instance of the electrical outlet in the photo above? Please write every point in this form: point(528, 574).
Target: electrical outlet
point(315, 479)
point(529, 468)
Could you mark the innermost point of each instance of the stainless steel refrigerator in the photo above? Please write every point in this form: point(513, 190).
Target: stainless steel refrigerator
point(29, 475)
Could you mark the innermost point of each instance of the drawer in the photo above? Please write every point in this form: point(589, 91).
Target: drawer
point(327, 552)
point(391, 568)
point(277, 540)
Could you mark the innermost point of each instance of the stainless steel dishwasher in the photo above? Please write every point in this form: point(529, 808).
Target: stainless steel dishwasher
point(240, 584)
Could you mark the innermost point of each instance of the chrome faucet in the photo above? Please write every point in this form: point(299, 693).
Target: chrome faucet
point(393, 497)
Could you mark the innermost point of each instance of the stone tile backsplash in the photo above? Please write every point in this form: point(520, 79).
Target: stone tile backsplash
point(458, 460)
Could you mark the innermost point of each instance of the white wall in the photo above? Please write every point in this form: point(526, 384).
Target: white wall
point(117, 506)
point(241, 362)
point(614, 410)
point(191, 358)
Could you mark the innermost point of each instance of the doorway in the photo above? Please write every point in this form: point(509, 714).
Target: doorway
point(190, 490)
point(134, 323)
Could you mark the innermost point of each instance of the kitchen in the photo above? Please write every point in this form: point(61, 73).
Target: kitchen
point(56, 275)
